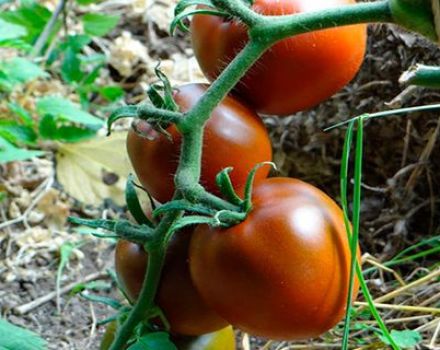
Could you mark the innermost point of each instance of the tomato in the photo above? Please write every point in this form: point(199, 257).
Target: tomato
point(295, 74)
point(222, 339)
point(179, 300)
point(283, 273)
point(234, 136)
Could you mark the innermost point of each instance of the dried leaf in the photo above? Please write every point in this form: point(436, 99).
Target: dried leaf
point(82, 169)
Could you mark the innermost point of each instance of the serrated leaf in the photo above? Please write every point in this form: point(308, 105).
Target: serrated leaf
point(81, 168)
point(9, 153)
point(99, 25)
point(21, 70)
point(10, 31)
point(13, 338)
point(152, 341)
point(60, 107)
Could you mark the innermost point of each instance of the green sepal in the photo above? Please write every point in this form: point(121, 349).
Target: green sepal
point(113, 303)
point(247, 204)
point(223, 181)
point(119, 113)
point(169, 103)
point(177, 21)
point(418, 16)
point(133, 204)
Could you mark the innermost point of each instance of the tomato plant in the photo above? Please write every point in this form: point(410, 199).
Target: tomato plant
point(234, 136)
point(283, 273)
point(294, 74)
point(177, 296)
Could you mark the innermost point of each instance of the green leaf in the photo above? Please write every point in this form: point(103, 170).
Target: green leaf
point(9, 153)
point(30, 15)
point(71, 66)
point(47, 127)
point(13, 338)
point(3, 196)
point(111, 93)
point(10, 31)
point(21, 70)
point(152, 341)
point(406, 339)
point(69, 133)
point(75, 42)
point(60, 107)
point(16, 133)
point(99, 25)
point(23, 114)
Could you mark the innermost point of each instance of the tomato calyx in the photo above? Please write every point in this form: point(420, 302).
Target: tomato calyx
point(206, 213)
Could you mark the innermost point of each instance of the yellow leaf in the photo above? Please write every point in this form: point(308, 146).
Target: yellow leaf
point(87, 169)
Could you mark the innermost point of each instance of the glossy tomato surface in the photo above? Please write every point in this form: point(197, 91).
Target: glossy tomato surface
point(181, 303)
point(234, 136)
point(296, 73)
point(282, 273)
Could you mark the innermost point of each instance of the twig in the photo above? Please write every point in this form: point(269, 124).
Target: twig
point(23, 309)
point(402, 289)
point(409, 308)
point(48, 29)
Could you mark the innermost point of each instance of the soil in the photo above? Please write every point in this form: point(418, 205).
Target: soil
point(400, 204)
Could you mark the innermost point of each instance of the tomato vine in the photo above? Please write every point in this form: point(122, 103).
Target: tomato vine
point(263, 33)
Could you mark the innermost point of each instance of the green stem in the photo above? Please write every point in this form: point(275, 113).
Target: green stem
point(274, 28)
point(237, 8)
point(146, 298)
point(422, 75)
point(201, 111)
point(156, 257)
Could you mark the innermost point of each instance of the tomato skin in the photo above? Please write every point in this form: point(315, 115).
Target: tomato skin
point(295, 74)
point(234, 136)
point(181, 303)
point(282, 273)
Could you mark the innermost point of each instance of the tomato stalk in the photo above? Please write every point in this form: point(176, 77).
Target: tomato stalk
point(263, 33)
point(145, 302)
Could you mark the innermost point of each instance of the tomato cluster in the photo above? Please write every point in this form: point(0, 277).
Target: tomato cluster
point(282, 273)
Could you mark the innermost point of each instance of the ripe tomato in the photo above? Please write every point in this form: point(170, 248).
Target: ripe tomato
point(296, 73)
point(234, 136)
point(177, 296)
point(283, 273)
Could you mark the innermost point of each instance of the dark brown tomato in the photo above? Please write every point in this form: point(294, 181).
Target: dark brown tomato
point(181, 303)
point(283, 273)
point(294, 74)
point(234, 136)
